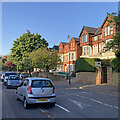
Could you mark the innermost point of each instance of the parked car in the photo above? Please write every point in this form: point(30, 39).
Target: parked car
point(6, 75)
point(24, 75)
point(36, 90)
point(2, 77)
point(13, 81)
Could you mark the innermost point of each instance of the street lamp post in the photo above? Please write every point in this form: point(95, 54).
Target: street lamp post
point(69, 65)
point(69, 61)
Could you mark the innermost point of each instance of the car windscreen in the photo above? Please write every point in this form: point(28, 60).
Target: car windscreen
point(14, 78)
point(41, 83)
point(7, 74)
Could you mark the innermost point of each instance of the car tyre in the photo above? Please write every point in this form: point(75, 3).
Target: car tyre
point(52, 104)
point(25, 104)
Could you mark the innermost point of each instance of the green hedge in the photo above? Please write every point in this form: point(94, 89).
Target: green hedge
point(85, 64)
point(115, 63)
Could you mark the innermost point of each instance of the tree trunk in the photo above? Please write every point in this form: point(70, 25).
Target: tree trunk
point(30, 72)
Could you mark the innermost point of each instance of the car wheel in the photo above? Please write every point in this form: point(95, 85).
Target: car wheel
point(25, 104)
point(53, 104)
point(17, 97)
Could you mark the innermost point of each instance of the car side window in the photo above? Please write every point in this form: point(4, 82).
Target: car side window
point(26, 82)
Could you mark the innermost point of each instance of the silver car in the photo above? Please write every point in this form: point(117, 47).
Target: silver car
point(6, 75)
point(13, 81)
point(36, 90)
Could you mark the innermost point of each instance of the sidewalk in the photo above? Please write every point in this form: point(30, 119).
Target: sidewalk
point(103, 88)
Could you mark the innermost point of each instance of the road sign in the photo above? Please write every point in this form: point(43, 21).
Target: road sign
point(97, 64)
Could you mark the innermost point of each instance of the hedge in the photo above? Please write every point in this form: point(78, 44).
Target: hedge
point(115, 63)
point(85, 64)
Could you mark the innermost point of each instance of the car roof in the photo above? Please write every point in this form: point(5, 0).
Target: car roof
point(10, 72)
point(13, 75)
point(36, 78)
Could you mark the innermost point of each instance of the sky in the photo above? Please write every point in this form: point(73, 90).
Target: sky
point(53, 21)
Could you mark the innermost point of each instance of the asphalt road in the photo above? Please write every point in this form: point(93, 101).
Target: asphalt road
point(70, 103)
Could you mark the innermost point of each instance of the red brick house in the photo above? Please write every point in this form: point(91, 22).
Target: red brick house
point(93, 40)
point(75, 52)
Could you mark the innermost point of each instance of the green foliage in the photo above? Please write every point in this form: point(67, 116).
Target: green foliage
point(45, 59)
point(115, 43)
point(115, 63)
point(23, 46)
point(85, 65)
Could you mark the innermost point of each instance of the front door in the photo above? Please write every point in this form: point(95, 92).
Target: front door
point(104, 75)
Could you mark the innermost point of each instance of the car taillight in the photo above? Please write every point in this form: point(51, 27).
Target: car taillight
point(29, 89)
point(53, 89)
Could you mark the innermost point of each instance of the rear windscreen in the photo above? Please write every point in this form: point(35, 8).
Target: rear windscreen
point(41, 83)
point(7, 74)
point(14, 78)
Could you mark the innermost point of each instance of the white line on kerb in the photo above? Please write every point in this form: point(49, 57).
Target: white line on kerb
point(62, 107)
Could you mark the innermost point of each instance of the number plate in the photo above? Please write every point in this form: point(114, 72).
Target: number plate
point(42, 100)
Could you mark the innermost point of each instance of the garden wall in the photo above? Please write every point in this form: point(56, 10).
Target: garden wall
point(86, 77)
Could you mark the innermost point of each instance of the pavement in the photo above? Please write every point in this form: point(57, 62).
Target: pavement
point(103, 88)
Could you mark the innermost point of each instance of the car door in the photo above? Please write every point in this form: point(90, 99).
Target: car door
point(24, 87)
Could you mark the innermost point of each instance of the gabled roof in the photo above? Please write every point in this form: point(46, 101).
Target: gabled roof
point(104, 21)
point(76, 39)
point(98, 31)
point(88, 30)
point(55, 47)
point(63, 43)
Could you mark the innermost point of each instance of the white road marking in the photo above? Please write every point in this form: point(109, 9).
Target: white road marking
point(80, 104)
point(115, 107)
point(62, 107)
point(42, 110)
point(86, 93)
point(96, 101)
point(99, 102)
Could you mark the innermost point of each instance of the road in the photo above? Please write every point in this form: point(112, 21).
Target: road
point(70, 103)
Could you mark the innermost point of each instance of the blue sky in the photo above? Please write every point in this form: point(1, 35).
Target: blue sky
point(53, 21)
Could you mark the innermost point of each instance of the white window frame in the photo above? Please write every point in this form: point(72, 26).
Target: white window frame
point(95, 38)
point(84, 38)
point(111, 29)
point(88, 50)
point(73, 46)
point(101, 36)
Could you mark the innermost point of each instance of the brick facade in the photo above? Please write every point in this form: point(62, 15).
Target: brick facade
point(93, 40)
point(75, 52)
point(91, 43)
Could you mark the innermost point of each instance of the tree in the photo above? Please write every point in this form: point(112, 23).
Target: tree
point(10, 66)
point(115, 43)
point(24, 45)
point(45, 59)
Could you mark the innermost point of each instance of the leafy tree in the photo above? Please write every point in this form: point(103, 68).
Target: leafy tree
point(10, 66)
point(45, 59)
point(115, 43)
point(24, 45)
point(4, 60)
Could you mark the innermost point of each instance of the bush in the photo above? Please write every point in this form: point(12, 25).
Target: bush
point(85, 64)
point(115, 63)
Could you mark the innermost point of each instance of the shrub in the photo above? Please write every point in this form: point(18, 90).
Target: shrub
point(85, 64)
point(115, 63)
